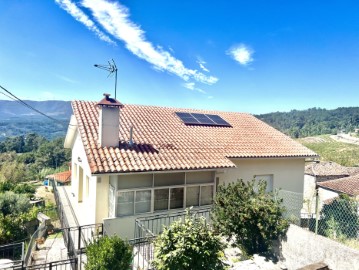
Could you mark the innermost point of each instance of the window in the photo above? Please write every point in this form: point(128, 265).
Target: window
point(268, 178)
point(162, 192)
point(161, 199)
point(125, 203)
point(168, 198)
point(133, 202)
point(199, 195)
point(143, 201)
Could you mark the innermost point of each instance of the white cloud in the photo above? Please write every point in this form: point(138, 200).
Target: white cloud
point(66, 79)
point(242, 54)
point(80, 16)
point(114, 18)
point(201, 64)
point(192, 86)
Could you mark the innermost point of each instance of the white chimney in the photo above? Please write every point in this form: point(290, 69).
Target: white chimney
point(109, 121)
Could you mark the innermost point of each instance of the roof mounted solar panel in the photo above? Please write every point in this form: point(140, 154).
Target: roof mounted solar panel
point(201, 119)
point(218, 120)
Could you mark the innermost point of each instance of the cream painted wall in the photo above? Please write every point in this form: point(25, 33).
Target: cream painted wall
point(288, 174)
point(84, 210)
point(101, 197)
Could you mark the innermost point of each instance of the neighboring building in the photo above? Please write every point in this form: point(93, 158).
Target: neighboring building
point(131, 160)
point(347, 185)
point(318, 173)
point(59, 179)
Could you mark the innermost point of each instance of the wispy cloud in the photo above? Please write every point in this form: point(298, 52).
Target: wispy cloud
point(66, 79)
point(192, 86)
point(114, 18)
point(241, 53)
point(80, 16)
point(201, 64)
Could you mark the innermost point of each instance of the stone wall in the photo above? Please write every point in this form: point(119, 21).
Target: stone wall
point(302, 247)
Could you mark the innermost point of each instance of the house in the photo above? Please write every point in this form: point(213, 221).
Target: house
point(59, 179)
point(319, 173)
point(130, 161)
point(347, 185)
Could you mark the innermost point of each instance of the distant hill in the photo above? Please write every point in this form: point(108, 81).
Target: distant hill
point(16, 119)
point(314, 121)
point(54, 108)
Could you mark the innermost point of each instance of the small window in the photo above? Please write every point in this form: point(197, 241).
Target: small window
point(268, 178)
point(125, 203)
point(161, 199)
point(206, 195)
point(192, 196)
point(176, 200)
point(143, 201)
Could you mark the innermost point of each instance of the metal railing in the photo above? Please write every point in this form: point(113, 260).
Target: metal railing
point(39, 233)
point(13, 252)
point(147, 228)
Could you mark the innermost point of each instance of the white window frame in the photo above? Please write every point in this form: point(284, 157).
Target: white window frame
point(152, 189)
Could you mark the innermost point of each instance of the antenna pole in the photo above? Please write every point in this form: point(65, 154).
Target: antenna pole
point(112, 68)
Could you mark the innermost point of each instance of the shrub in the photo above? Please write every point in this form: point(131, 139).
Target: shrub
point(245, 211)
point(108, 253)
point(340, 218)
point(188, 244)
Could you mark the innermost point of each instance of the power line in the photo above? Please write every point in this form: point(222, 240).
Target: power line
point(15, 98)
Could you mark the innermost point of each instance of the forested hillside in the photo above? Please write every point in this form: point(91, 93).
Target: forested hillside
point(315, 121)
point(17, 119)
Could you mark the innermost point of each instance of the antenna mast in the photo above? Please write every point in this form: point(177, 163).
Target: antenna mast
point(112, 68)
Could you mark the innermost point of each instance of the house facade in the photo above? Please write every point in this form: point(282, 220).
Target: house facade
point(130, 161)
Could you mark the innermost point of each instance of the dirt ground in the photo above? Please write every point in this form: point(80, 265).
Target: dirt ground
point(46, 193)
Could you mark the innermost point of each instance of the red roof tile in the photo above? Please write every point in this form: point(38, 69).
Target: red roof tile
point(348, 185)
point(163, 142)
point(62, 177)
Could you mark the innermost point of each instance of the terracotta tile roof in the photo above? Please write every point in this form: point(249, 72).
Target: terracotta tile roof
point(163, 142)
point(348, 185)
point(329, 168)
point(62, 177)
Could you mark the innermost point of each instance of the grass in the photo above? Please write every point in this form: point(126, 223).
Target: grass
point(55, 235)
point(330, 150)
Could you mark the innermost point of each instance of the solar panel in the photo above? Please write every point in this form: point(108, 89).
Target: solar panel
point(201, 119)
point(218, 120)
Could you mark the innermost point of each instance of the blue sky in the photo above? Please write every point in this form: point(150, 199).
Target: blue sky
point(247, 56)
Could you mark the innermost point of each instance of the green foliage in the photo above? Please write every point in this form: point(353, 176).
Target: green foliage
point(340, 218)
point(245, 211)
point(15, 213)
point(330, 150)
point(12, 171)
point(108, 253)
point(188, 244)
point(314, 121)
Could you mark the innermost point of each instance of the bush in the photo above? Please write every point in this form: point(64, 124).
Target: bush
point(340, 218)
point(188, 244)
point(108, 253)
point(245, 211)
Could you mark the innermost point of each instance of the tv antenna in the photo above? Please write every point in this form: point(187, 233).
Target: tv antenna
point(112, 68)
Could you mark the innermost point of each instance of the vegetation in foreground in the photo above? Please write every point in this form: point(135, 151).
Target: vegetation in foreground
point(188, 244)
point(329, 149)
point(24, 158)
point(245, 212)
point(108, 253)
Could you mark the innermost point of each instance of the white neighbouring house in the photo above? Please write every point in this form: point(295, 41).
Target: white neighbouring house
point(130, 161)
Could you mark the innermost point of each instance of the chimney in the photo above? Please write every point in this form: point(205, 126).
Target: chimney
point(109, 121)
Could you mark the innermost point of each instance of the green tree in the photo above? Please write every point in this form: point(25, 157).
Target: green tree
point(245, 211)
point(108, 253)
point(340, 218)
point(15, 213)
point(188, 244)
point(14, 172)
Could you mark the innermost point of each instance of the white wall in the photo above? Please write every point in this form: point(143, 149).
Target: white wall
point(288, 174)
point(84, 210)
